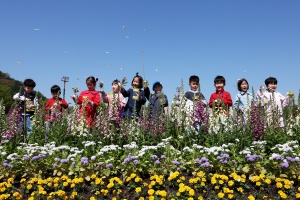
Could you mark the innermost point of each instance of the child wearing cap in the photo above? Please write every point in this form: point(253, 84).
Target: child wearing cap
point(158, 100)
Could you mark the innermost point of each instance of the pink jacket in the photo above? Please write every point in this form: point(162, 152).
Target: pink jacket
point(273, 100)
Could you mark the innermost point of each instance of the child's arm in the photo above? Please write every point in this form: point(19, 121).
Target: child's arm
point(142, 99)
point(124, 92)
point(63, 103)
point(47, 107)
point(18, 97)
point(122, 100)
point(284, 100)
point(211, 101)
point(104, 97)
point(227, 99)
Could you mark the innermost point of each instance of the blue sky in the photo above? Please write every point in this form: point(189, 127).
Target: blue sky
point(46, 40)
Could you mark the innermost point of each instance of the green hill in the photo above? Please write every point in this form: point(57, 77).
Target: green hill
point(9, 87)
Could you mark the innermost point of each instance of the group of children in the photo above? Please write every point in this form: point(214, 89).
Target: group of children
point(139, 93)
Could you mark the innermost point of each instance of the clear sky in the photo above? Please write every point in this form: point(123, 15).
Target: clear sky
point(172, 39)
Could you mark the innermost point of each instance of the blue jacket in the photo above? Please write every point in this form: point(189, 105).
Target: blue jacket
point(243, 100)
point(133, 102)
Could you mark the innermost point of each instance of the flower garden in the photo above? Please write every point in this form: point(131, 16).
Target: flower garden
point(169, 158)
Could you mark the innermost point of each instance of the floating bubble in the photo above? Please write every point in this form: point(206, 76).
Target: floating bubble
point(123, 27)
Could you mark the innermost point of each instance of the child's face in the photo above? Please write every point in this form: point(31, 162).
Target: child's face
point(115, 87)
point(28, 89)
point(90, 85)
point(244, 86)
point(219, 86)
point(54, 94)
point(272, 86)
point(136, 82)
point(194, 85)
point(157, 88)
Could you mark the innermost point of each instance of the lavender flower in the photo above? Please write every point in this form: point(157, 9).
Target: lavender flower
point(163, 157)
point(136, 162)
point(93, 158)
point(175, 162)
point(285, 164)
point(26, 157)
point(154, 157)
point(108, 166)
point(157, 162)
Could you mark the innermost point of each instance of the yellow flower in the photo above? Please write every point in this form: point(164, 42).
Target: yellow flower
point(138, 189)
point(287, 186)
point(104, 192)
point(29, 186)
point(268, 181)
point(230, 183)
point(55, 185)
point(141, 198)
point(93, 176)
point(258, 183)
point(190, 198)
point(200, 198)
point(183, 178)
point(151, 192)
point(92, 198)
point(240, 189)
point(114, 198)
point(191, 192)
point(80, 180)
point(132, 175)
point(221, 182)
point(221, 195)
point(72, 185)
point(10, 180)
point(251, 197)
point(297, 195)
point(279, 185)
point(137, 179)
point(151, 197)
point(31, 198)
point(22, 180)
point(230, 196)
point(65, 184)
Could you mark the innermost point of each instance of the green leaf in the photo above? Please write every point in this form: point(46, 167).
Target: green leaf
point(246, 169)
point(59, 173)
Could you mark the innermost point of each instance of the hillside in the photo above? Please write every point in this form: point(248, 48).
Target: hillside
point(9, 87)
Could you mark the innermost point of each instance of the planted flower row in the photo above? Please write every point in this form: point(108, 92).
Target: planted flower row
point(176, 185)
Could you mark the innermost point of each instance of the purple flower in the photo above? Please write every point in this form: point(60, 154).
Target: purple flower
point(64, 160)
point(285, 165)
point(163, 157)
point(26, 157)
point(108, 166)
point(279, 157)
point(154, 157)
point(56, 159)
point(93, 158)
point(84, 160)
point(100, 163)
point(206, 164)
point(203, 159)
point(136, 162)
point(175, 162)
point(157, 162)
point(54, 165)
point(8, 165)
point(73, 163)
point(197, 160)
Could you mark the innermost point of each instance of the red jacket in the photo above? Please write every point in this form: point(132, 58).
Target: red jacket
point(61, 103)
point(90, 110)
point(223, 96)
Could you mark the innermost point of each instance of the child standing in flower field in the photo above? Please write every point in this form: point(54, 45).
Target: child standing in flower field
point(273, 100)
point(136, 97)
point(115, 100)
point(54, 105)
point(221, 99)
point(158, 100)
point(243, 99)
point(88, 100)
point(28, 103)
point(194, 94)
